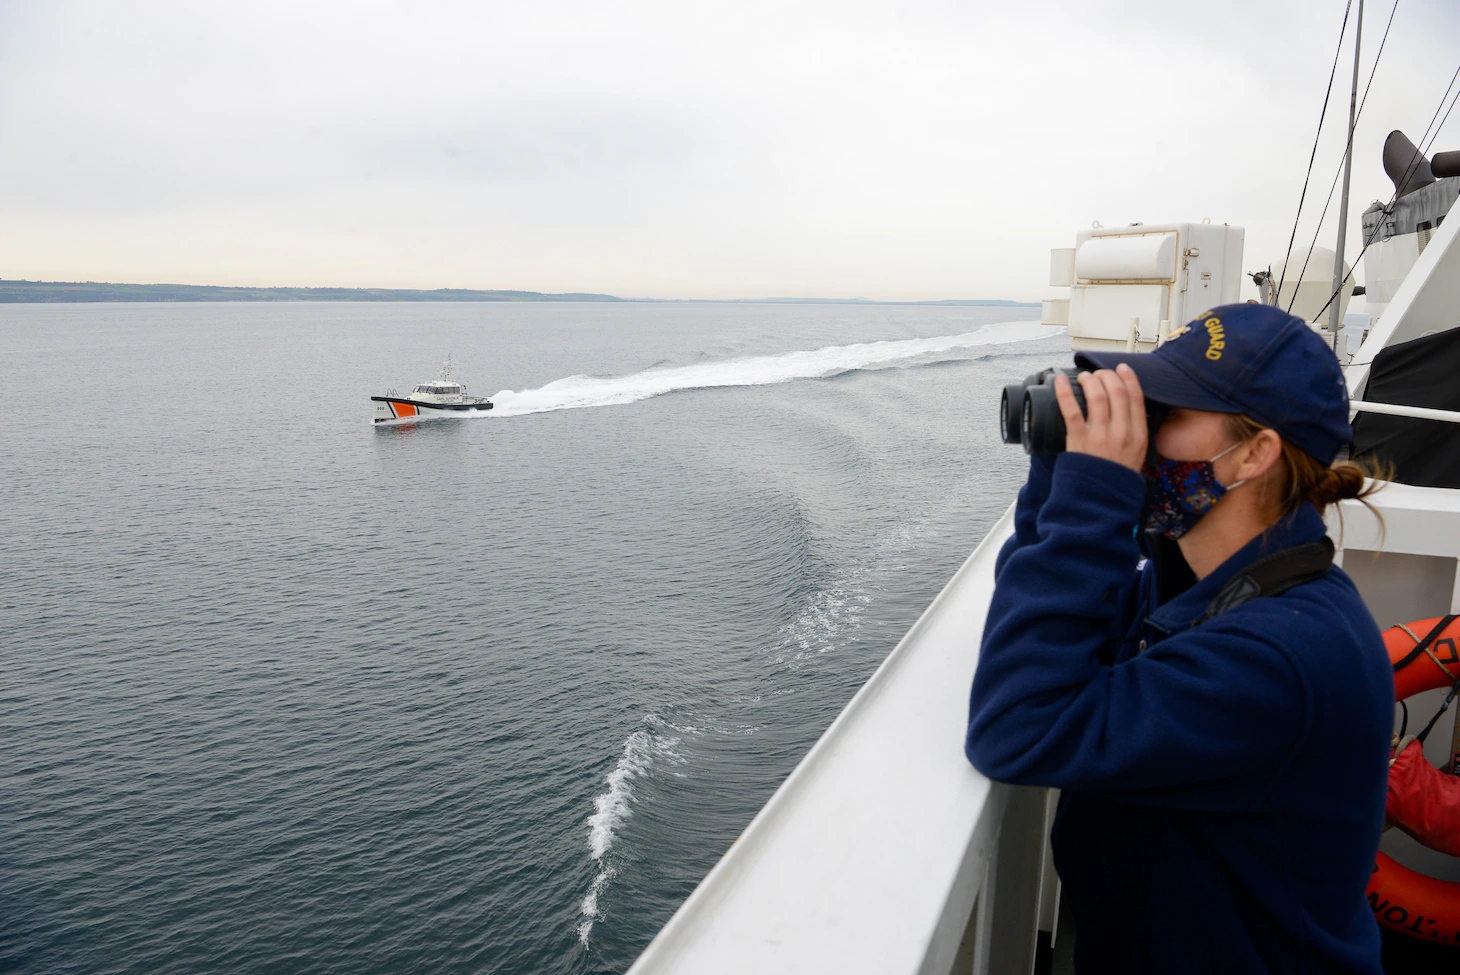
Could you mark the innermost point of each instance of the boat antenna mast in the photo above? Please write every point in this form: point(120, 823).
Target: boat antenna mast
point(1339, 276)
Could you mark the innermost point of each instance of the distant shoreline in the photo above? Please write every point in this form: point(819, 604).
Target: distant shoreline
point(61, 292)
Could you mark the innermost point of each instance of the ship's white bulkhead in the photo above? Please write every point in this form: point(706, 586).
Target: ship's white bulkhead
point(1397, 233)
point(1386, 264)
point(1129, 286)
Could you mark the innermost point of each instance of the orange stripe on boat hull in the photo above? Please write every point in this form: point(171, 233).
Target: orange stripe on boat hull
point(403, 409)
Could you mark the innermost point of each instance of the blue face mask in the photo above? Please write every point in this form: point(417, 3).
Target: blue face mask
point(1180, 492)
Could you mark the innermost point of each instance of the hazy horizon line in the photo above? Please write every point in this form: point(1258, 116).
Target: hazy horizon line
point(26, 291)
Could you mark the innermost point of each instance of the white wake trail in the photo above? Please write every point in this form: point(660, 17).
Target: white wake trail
point(613, 807)
point(578, 392)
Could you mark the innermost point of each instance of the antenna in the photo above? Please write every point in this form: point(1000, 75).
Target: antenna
point(1348, 165)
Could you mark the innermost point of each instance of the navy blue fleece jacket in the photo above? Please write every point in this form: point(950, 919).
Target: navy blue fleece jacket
point(1224, 783)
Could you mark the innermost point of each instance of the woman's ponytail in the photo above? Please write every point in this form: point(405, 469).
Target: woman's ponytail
point(1310, 481)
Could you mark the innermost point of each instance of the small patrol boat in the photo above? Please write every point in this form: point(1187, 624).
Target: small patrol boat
point(443, 396)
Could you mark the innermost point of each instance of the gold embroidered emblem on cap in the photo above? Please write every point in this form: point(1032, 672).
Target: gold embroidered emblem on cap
point(1217, 338)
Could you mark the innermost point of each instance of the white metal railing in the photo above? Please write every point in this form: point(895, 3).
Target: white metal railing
point(884, 851)
point(1417, 412)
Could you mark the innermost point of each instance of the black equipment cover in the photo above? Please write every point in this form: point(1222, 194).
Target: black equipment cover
point(1421, 372)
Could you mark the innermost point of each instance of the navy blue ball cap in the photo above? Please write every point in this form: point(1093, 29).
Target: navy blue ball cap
point(1253, 359)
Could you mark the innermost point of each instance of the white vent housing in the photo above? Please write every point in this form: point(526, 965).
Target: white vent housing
point(1129, 285)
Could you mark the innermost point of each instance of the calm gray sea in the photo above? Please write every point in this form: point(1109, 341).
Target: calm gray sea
point(288, 692)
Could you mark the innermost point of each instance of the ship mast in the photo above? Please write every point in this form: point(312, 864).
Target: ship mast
point(1334, 314)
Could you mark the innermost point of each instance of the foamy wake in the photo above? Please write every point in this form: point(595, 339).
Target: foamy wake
point(613, 807)
point(578, 392)
point(831, 615)
point(823, 623)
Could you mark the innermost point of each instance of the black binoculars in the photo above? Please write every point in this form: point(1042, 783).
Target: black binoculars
point(1029, 413)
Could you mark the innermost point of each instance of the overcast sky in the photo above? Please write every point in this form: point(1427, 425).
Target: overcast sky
point(673, 148)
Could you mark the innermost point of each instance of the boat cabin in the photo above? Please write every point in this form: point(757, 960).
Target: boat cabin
point(440, 389)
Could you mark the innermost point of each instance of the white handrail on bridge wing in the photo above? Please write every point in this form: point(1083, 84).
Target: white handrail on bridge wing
point(872, 855)
point(1418, 412)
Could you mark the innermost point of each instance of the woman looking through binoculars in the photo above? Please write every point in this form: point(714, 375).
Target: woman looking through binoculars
point(1169, 643)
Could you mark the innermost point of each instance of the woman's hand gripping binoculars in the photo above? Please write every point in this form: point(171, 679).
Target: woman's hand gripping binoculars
point(1101, 413)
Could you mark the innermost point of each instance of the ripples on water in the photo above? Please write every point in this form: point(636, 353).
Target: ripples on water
point(289, 693)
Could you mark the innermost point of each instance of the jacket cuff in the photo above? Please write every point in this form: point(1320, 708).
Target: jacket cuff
point(1095, 498)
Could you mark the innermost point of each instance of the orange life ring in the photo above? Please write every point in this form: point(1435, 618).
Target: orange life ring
point(1402, 899)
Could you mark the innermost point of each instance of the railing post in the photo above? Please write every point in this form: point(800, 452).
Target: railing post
point(985, 919)
point(973, 950)
point(1014, 932)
